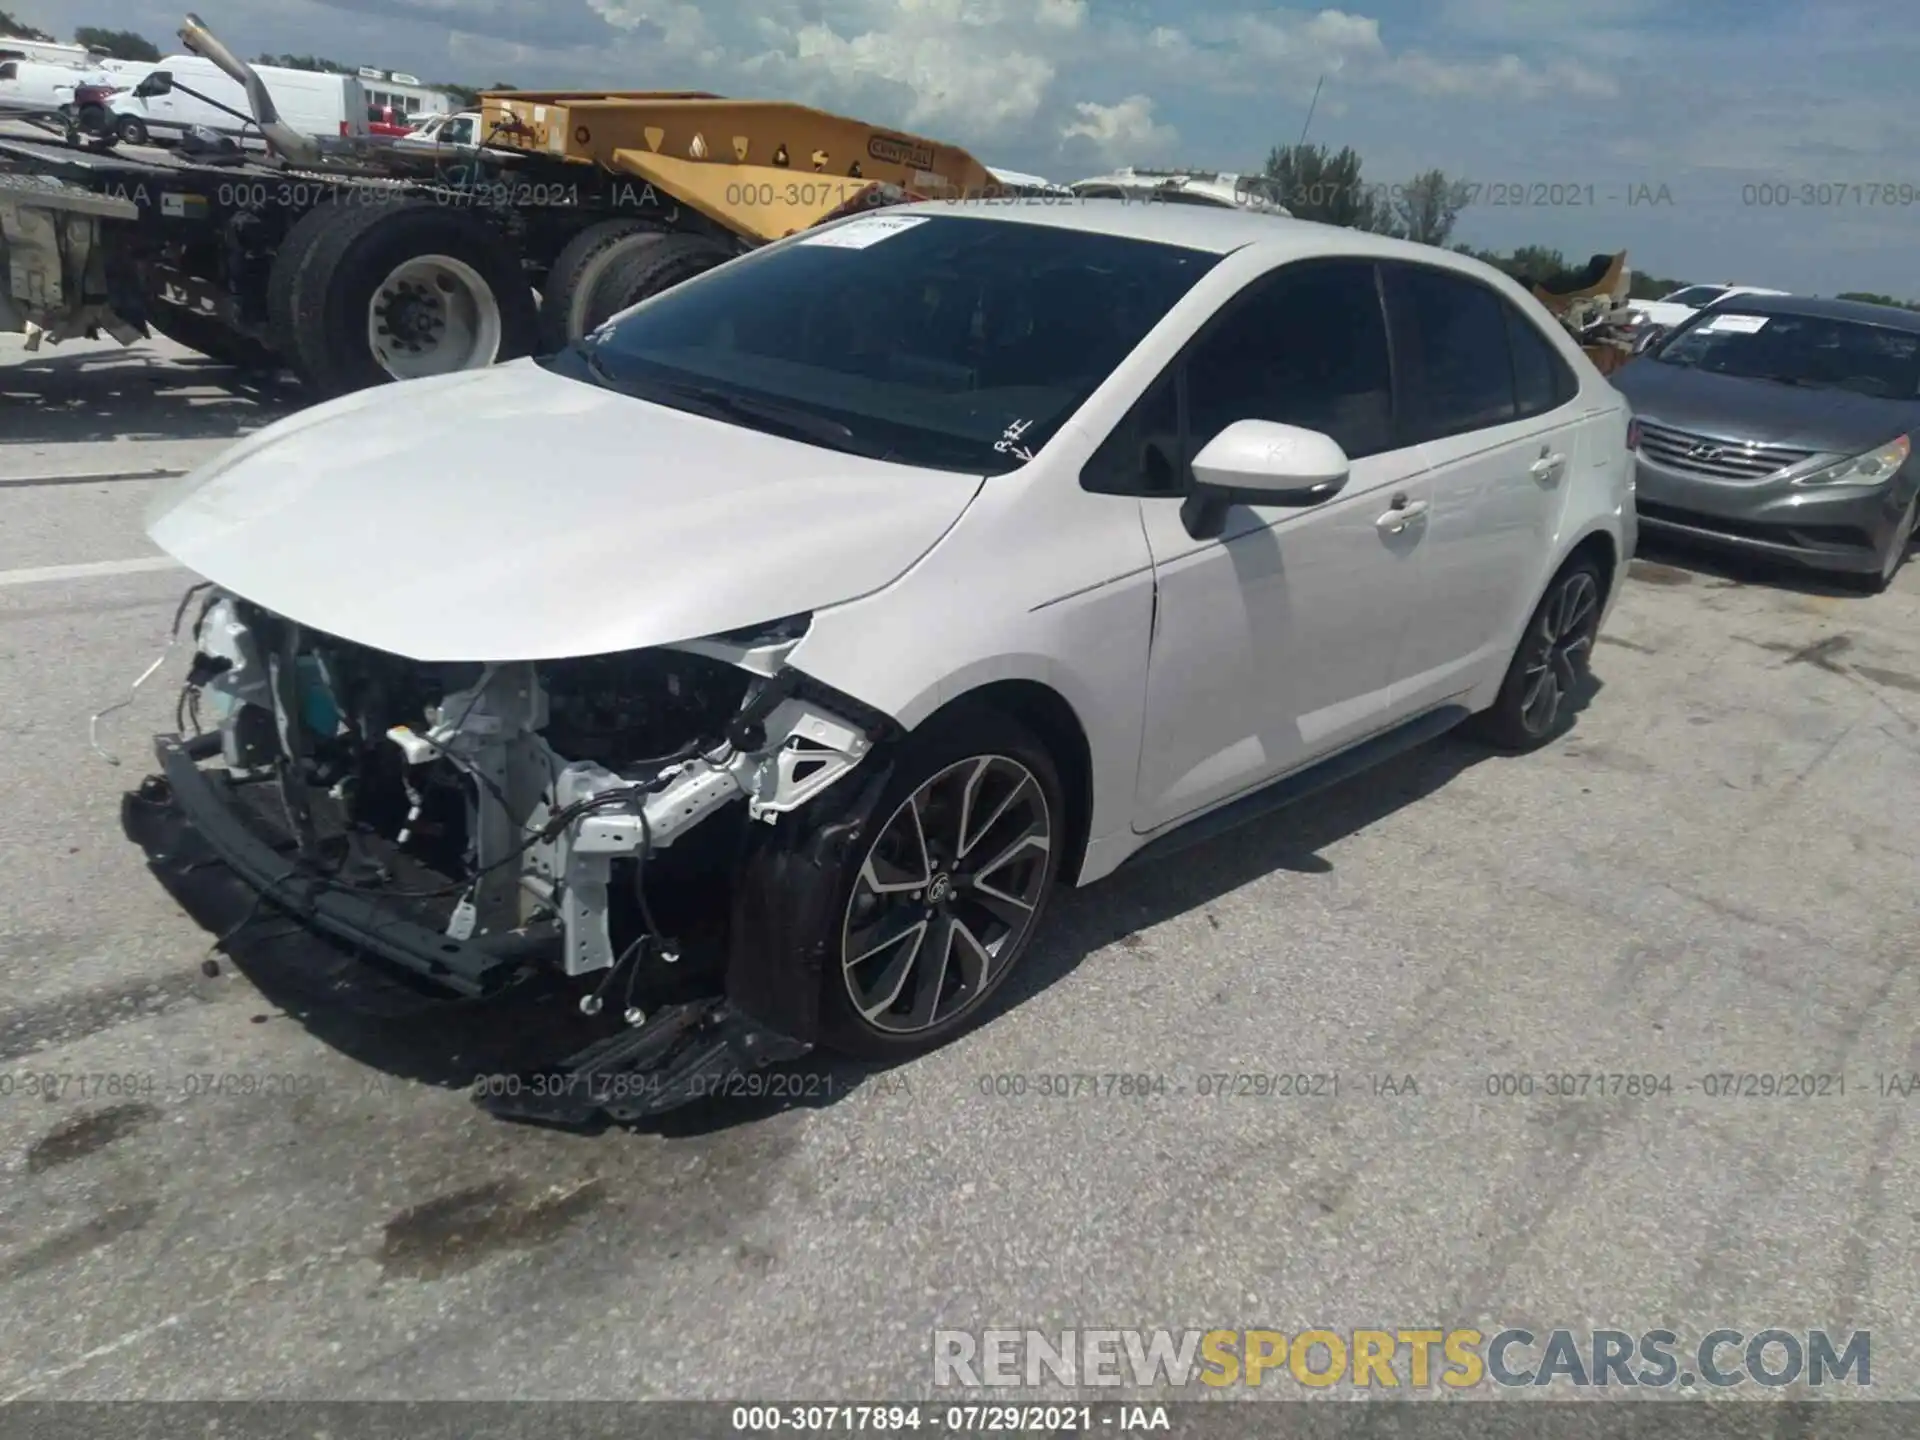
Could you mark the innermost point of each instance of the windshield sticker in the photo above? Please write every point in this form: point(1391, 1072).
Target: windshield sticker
point(865, 231)
point(1009, 441)
point(1737, 324)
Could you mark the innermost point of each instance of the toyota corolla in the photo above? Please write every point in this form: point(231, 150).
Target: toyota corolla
point(757, 667)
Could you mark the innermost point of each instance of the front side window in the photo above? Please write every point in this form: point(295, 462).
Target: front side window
point(1457, 367)
point(1141, 455)
point(1305, 346)
point(947, 341)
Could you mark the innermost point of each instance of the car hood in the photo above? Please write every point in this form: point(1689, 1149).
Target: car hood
point(1763, 411)
point(514, 514)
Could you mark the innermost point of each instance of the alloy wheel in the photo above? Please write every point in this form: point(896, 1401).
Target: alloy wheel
point(946, 895)
point(1561, 646)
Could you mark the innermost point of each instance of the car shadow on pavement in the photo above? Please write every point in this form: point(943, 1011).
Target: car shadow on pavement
point(1665, 560)
point(381, 1019)
point(136, 394)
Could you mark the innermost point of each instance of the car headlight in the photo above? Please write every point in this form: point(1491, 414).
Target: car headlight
point(1875, 467)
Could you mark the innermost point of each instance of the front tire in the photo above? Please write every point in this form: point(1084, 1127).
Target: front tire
point(131, 131)
point(1554, 657)
point(947, 887)
point(1897, 549)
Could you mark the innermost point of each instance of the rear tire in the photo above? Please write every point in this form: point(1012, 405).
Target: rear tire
point(644, 273)
point(566, 303)
point(1554, 656)
point(405, 290)
point(283, 283)
point(888, 1002)
point(210, 338)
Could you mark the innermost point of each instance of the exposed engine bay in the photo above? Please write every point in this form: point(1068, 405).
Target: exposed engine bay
point(581, 816)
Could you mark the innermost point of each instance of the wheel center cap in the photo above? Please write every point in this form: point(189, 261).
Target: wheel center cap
point(940, 888)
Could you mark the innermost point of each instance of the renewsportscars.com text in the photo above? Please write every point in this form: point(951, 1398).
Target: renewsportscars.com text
point(1393, 1358)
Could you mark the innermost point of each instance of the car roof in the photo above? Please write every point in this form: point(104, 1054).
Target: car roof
point(1864, 311)
point(1218, 230)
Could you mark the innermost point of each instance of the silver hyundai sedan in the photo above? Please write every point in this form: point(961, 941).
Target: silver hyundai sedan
point(1783, 426)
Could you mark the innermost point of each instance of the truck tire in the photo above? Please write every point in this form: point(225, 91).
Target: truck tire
point(212, 339)
point(670, 259)
point(131, 130)
point(406, 290)
point(283, 281)
point(566, 302)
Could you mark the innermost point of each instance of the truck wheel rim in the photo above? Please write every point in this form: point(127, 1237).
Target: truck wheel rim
point(946, 895)
point(433, 315)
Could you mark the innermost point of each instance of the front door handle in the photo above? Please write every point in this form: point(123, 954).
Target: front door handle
point(1403, 513)
point(1547, 468)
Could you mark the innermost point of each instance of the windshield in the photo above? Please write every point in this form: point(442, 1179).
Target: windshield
point(949, 342)
point(1806, 350)
point(1696, 295)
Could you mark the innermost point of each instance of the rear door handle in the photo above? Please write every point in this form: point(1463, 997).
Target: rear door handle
point(1403, 513)
point(1547, 468)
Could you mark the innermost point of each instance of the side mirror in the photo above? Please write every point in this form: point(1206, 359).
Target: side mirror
point(1260, 462)
point(160, 82)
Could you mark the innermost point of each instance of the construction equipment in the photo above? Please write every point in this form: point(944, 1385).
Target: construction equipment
point(354, 260)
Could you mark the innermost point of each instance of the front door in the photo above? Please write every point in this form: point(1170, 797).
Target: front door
point(1279, 642)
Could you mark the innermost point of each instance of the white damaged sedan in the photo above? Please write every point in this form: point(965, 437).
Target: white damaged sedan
point(763, 661)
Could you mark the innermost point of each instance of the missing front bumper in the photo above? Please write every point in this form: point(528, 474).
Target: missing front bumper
point(680, 1055)
point(364, 922)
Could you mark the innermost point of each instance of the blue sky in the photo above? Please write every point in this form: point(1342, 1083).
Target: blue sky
point(1603, 100)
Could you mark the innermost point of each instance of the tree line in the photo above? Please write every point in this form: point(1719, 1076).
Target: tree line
point(1316, 184)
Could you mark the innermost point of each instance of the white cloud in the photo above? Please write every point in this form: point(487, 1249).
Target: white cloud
point(1507, 77)
point(1123, 133)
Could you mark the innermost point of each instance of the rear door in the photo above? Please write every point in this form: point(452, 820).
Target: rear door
point(1492, 407)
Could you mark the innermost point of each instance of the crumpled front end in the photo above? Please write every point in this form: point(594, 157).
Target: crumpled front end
point(632, 825)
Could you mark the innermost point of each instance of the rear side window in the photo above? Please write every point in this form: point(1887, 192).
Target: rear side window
point(1542, 380)
point(1457, 364)
point(1305, 346)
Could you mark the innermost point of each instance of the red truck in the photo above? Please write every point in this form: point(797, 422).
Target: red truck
point(385, 120)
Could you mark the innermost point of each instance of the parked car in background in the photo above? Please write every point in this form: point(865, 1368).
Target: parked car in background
point(385, 120)
point(1083, 532)
point(1683, 304)
point(458, 131)
point(1783, 426)
point(38, 87)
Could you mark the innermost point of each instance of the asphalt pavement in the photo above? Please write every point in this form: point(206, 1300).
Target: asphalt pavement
point(1713, 874)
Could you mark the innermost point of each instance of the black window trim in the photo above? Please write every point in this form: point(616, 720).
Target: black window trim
point(1175, 372)
point(1566, 384)
point(1566, 381)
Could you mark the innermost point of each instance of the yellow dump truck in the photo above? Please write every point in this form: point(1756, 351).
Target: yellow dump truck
point(354, 261)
